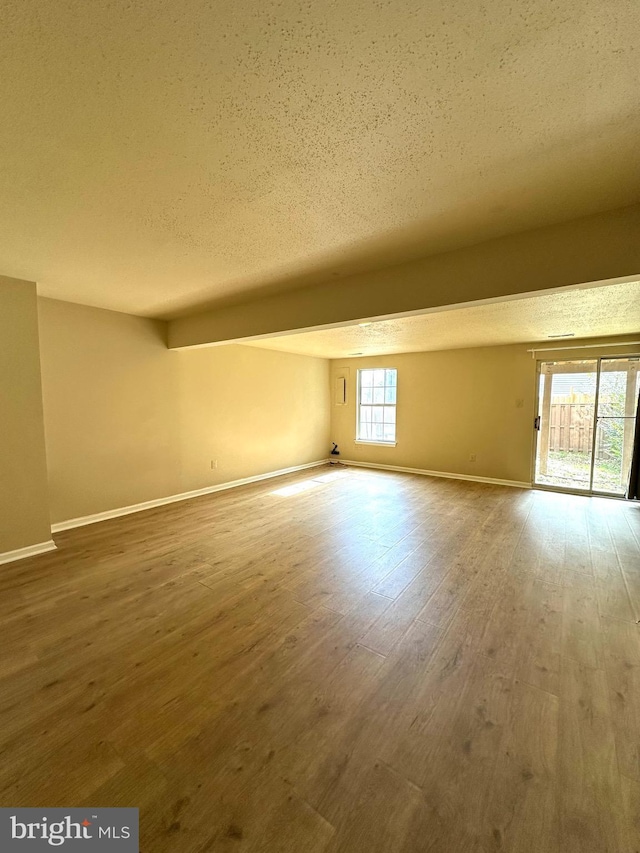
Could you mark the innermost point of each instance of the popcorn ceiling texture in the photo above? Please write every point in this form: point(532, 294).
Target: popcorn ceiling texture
point(159, 156)
point(592, 312)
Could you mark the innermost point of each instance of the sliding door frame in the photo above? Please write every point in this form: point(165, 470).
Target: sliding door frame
point(590, 493)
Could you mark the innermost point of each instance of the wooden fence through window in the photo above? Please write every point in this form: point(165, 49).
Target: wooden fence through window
point(571, 427)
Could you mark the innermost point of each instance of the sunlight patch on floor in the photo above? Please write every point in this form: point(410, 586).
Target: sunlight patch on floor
point(296, 488)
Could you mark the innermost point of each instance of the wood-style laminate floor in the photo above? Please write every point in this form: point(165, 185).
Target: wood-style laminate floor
point(340, 660)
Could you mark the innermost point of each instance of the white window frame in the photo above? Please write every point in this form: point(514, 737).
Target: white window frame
point(361, 426)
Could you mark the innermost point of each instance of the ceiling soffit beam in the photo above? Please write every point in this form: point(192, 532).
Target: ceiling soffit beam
point(596, 248)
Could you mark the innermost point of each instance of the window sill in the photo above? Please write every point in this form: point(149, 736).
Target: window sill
point(382, 443)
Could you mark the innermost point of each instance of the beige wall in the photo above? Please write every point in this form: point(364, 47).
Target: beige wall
point(109, 390)
point(453, 404)
point(24, 510)
point(128, 420)
point(253, 414)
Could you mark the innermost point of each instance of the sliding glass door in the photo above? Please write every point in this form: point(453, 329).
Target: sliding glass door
point(585, 424)
point(615, 424)
point(566, 410)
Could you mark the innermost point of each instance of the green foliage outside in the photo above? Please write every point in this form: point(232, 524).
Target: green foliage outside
point(611, 405)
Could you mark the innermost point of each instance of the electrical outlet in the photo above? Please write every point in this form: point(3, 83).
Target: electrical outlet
point(214, 463)
point(472, 457)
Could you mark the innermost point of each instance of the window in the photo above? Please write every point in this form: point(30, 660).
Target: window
point(377, 405)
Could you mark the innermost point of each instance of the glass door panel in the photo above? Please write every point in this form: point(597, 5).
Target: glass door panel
point(616, 416)
point(566, 409)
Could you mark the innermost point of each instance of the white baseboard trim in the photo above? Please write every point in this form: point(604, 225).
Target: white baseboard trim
point(29, 551)
point(184, 496)
point(448, 475)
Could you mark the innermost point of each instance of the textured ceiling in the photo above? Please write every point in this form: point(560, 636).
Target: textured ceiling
point(158, 156)
point(588, 313)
